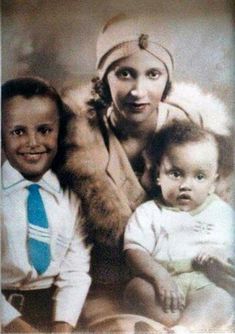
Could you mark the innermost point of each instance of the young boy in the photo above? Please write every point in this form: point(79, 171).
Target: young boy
point(170, 244)
point(45, 263)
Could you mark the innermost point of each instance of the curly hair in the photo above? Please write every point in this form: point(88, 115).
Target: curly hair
point(182, 132)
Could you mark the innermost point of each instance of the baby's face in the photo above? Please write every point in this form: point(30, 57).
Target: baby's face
point(30, 134)
point(188, 174)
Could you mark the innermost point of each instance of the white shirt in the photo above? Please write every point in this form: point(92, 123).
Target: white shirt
point(70, 258)
point(170, 235)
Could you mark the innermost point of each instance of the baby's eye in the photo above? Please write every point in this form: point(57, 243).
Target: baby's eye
point(200, 177)
point(17, 132)
point(154, 74)
point(45, 130)
point(175, 174)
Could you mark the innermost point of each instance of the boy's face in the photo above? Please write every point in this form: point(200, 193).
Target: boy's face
point(188, 174)
point(30, 134)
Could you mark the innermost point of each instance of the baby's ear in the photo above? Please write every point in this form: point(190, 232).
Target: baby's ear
point(157, 177)
point(214, 184)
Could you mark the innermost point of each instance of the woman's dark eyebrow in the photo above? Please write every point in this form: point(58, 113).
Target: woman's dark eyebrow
point(156, 68)
point(46, 124)
point(123, 67)
point(17, 126)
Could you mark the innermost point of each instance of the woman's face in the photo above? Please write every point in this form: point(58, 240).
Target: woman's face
point(136, 84)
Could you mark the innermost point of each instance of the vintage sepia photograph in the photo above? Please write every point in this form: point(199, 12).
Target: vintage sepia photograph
point(117, 173)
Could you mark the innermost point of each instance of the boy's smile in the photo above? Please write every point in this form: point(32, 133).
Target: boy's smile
point(30, 134)
point(32, 157)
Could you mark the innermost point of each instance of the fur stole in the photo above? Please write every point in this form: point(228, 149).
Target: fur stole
point(203, 108)
point(82, 166)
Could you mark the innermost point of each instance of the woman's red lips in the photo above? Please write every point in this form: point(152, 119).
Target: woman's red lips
point(137, 106)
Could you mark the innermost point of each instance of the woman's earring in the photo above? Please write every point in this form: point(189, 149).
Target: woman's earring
point(158, 181)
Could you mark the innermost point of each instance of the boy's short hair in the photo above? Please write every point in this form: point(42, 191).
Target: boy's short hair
point(29, 87)
point(182, 132)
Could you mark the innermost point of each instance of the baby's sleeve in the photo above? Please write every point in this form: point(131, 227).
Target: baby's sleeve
point(143, 228)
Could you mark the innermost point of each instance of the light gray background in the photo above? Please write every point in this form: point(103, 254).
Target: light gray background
point(55, 39)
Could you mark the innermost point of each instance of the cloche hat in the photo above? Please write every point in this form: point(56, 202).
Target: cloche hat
point(122, 36)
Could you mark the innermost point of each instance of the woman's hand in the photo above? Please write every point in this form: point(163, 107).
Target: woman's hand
point(172, 299)
point(209, 255)
point(62, 327)
point(18, 325)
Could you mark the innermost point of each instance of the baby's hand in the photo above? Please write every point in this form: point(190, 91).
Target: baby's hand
point(209, 255)
point(170, 296)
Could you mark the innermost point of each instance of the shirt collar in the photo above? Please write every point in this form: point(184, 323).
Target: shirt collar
point(13, 181)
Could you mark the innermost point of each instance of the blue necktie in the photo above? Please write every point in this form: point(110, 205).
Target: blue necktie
point(38, 236)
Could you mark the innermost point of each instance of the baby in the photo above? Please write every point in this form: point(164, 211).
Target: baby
point(45, 263)
point(171, 243)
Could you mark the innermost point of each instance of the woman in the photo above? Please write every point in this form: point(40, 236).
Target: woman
point(104, 160)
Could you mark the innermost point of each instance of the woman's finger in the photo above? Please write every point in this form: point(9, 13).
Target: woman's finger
point(201, 258)
point(181, 302)
point(174, 301)
point(161, 294)
point(167, 301)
